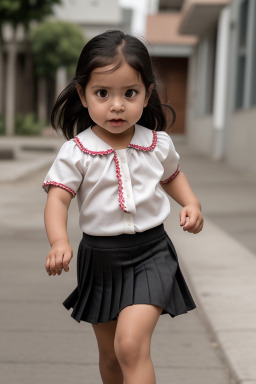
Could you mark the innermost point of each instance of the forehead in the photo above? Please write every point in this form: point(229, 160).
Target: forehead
point(111, 74)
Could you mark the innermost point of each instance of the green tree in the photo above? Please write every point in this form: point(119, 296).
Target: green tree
point(56, 47)
point(19, 12)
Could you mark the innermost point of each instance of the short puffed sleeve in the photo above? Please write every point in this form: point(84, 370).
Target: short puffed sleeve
point(168, 157)
point(67, 170)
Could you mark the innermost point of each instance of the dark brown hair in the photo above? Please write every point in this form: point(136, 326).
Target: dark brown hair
point(68, 113)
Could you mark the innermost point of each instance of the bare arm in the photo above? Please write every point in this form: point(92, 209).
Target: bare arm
point(55, 216)
point(190, 216)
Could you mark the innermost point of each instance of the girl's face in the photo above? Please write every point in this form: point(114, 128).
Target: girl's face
point(115, 100)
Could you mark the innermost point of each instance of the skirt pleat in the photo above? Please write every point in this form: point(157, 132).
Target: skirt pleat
point(116, 290)
point(128, 284)
point(104, 314)
point(119, 271)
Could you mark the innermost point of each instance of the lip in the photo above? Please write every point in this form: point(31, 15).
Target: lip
point(116, 122)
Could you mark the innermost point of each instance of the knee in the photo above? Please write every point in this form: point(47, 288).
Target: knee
point(110, 361)
point(128, 350)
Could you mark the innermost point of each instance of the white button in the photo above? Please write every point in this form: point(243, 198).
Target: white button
point(130, 224)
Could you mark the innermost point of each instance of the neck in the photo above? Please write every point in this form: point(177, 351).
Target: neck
point(116, 141)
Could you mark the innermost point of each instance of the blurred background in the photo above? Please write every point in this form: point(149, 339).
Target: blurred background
point(203, 52)
point(204, 56)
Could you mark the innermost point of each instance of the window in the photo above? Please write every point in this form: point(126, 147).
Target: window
point(242, 43)
point(245, 95)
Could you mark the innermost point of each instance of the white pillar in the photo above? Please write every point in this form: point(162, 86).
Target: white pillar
point(42, 100)
point(153, 6)
point(221, 84)
point(61, 80)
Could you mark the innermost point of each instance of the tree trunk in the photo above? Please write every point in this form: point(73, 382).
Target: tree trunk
point(10, 85)
point(1, 73)
point(42, 100)
point(28, 74)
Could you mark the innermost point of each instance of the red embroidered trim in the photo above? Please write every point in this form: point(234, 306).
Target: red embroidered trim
point(171, 177)
point(93, 153)
point(145, 149)
point(60, 185)
point(120, 185)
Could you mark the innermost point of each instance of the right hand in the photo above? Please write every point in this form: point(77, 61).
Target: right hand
point(59, 258)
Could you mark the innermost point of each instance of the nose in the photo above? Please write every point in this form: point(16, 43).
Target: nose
point(117, 105)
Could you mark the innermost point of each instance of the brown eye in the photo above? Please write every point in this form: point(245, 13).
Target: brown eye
point(103, 93)
point(130, 93)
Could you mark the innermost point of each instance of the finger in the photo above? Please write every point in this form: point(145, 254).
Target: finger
point(183, 216)
point(58, 263)
point(187, 224)
point(47, 266)
point(52, 265)
point(66, 260)
point(190, 223)
point(199, 228)
point(194, 223)
point(196, 228)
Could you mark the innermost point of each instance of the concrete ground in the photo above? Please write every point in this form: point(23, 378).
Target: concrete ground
point(213, 344)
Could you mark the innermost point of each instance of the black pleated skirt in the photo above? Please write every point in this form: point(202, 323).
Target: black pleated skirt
point(116, 271)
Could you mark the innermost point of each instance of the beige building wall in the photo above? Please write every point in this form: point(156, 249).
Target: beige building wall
point(199, 130)
point(241, 141)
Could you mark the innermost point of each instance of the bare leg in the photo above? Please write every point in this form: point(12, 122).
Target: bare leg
point(134, 329)
point(110, 370)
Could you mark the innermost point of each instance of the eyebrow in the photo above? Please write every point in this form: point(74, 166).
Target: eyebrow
point(101, 86)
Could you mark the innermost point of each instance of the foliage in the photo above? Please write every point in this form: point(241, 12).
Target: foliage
point(56, 44)
point(24, 11)
point(28, 125)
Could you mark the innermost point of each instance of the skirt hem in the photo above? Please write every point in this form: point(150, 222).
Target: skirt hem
point(92, 321)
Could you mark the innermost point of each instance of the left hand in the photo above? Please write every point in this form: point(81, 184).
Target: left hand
point(191, 218)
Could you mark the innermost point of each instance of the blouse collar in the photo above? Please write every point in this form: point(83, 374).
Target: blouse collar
point(143, 140)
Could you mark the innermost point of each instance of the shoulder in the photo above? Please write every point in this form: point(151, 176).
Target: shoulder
point(164, 142)
point(70, 154)
point(163, 138)
point(69, 148)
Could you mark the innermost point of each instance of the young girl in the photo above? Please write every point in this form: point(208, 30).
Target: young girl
point(127, 268)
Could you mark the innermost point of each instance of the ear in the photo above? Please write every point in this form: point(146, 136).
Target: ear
point(81, 94)
point(148, 94)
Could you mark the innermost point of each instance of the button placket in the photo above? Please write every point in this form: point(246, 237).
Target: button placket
point(125, 197)
point(121, 198)
point(126, 181)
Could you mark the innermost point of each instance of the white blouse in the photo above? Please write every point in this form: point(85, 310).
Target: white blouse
point(118, 190)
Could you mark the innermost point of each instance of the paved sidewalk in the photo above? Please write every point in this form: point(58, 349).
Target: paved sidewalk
point(219, 263)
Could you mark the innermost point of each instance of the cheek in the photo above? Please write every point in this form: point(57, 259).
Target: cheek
point(96, 110)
